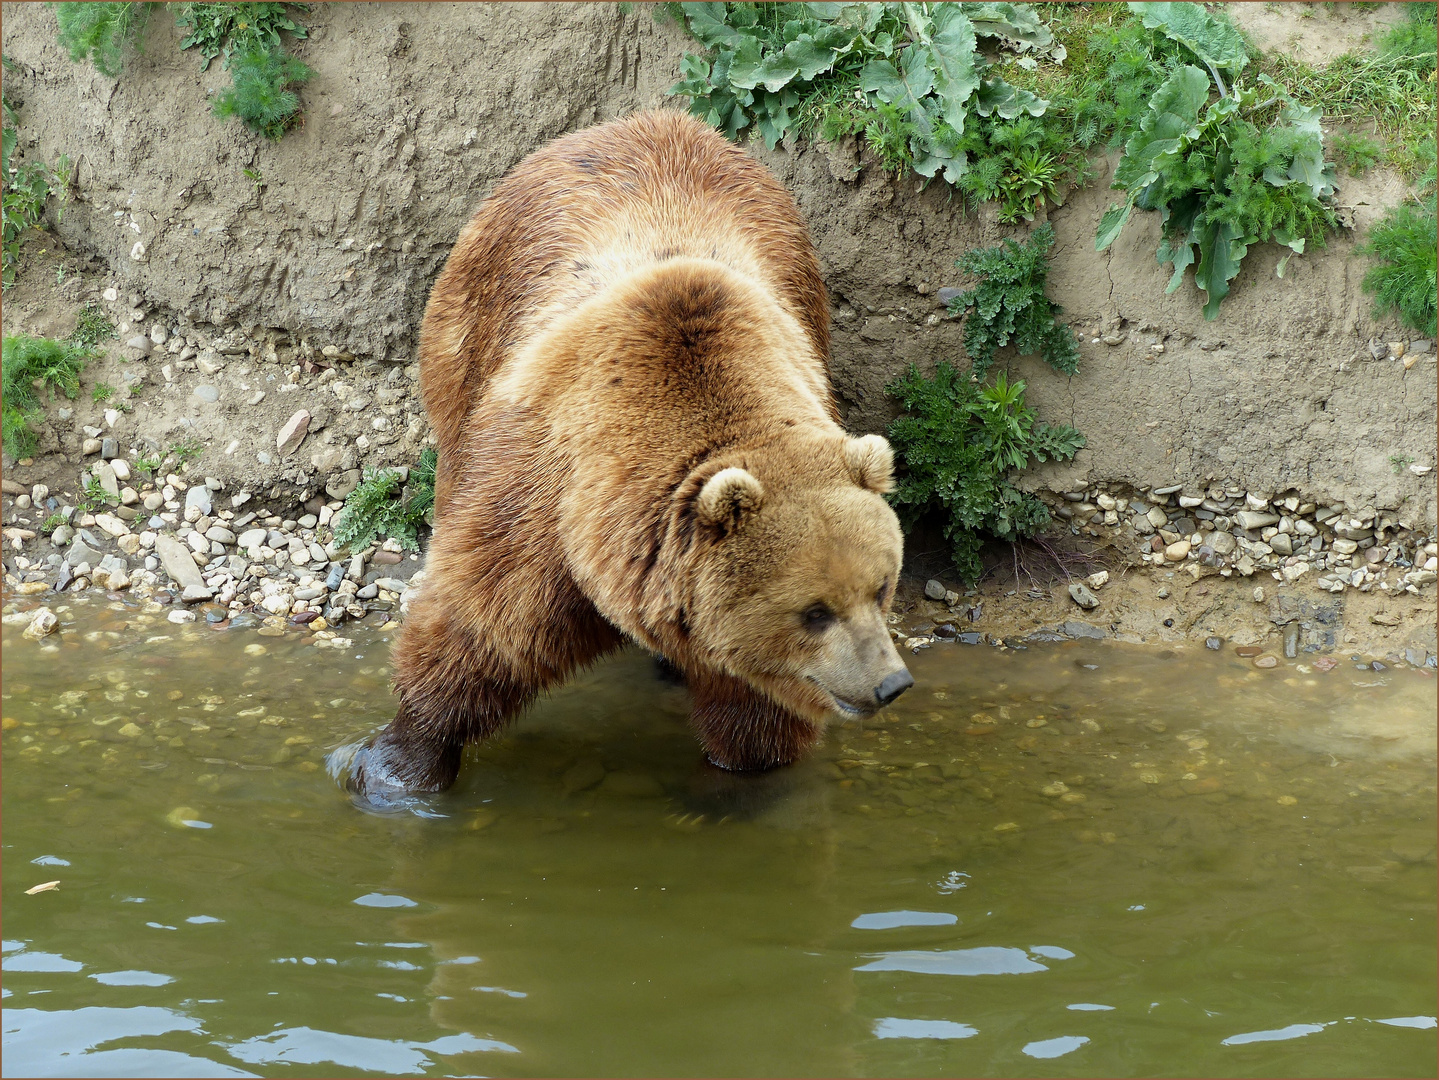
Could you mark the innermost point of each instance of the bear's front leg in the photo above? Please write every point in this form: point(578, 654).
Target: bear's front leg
point(741, 729)
point(404, 759)
point(464, 670)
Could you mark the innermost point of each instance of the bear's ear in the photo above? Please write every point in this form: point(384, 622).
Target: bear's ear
point(871, 463)
point(727, 497)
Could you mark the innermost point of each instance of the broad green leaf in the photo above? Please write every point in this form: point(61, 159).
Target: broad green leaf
point(1110, 225)
point(997, 97)
point(773, 72)
point(1216, 43)
point(707, 23)
point(809, 57)
point(744, 65)
point(952, 56)
point(1165, 129)
point(1282, 236)
point(920, 25)
point(1221, 249)
point(1016, 23)
point(1180, 255)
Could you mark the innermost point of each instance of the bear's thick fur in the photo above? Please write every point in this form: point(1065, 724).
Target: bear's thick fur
point(624, 363)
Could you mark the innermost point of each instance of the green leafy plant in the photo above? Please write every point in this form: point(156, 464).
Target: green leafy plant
point(186, 449)
point(1399, 462)
point(909, 76)
point(1220, 182)
point(101, 31)
point(92, 327)
point(102, 392)
point(149, 463)
point(223, 28)
point(1358, 152)
point(372, 511)
point(24, 190)
point(30, 365)
point(958, 443)
point(51, 523)
point(261, 95)
point(1391, 87)
point(1009, 304)
point(95, 497)
point(1403, 245)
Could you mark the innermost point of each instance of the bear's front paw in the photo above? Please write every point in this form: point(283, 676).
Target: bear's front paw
point(385, 774)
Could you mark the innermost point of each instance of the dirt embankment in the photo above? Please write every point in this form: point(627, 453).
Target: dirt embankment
point(270, 278)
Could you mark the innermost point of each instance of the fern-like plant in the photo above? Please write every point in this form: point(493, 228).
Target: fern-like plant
point(261, 95)
point(372, 511)
point(1404, 245)
point(957, 442)
point(101, 31)
point(24, 361)
point(1009, 304)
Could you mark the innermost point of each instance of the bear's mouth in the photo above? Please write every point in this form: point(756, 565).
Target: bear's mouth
point(841, 706)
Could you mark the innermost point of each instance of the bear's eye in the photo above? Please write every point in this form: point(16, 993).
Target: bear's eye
point(817, 617)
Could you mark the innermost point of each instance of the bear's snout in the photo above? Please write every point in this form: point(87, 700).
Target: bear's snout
point(894, 684)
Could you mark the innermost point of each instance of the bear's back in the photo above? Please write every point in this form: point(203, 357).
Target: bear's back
point(584, 212)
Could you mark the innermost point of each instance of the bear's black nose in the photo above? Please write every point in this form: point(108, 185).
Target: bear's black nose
point(895, 683)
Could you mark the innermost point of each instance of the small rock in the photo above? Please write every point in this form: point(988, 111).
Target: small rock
point(934, 590)
point(1177, 552)
point(219, 534)
point(1213, 643)
point(1080, 594)
point(90, 446)
point(43, 622)
point(293, 433)
point(1291, 640)
point(1251, 519)
point(206, 392)
point(1266, 661)
point(140, 343)
point(1222, 543)
point(1099, 580)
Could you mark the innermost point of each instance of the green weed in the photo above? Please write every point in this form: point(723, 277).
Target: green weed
point(24, 190)
point(1358, 152)
point(1009, 303)
point(261, 95)
point(102, 31)
point(95, 497)
point(1404, 245)
point(92, 327)
point(958, 442)
point(29, 366)
point(1221, 182)
point(51, 523)
point(1391, 87)
point(223, 28)
point(371, 511)
point(907, 76)
point(102, 392)
point(186, 449)
point(1399, 462)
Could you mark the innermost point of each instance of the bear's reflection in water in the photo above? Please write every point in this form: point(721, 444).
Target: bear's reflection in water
point(598, 886)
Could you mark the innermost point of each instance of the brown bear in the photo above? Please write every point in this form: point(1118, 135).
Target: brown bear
point(624, 363)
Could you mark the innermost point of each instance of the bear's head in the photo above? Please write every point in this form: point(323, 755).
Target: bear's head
point(795, 573)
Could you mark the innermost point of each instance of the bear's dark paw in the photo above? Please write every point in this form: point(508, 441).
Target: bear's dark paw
point(717, 793)
point(387, 776)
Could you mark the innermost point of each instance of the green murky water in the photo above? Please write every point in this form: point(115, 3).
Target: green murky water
point(1075, 860)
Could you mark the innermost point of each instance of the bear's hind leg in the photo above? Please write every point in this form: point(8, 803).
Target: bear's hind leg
point(741, 729)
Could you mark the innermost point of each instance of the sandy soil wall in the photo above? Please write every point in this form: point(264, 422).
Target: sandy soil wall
point(416, 110)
